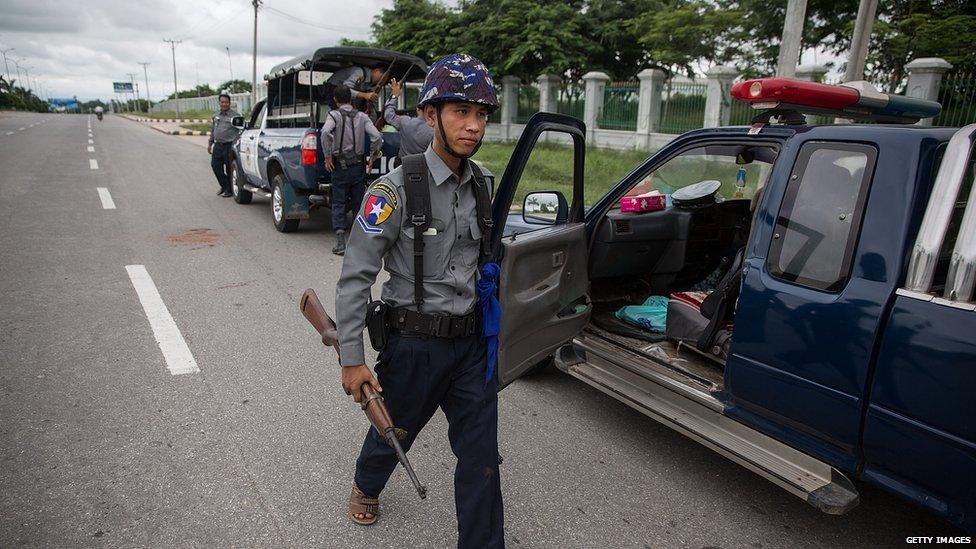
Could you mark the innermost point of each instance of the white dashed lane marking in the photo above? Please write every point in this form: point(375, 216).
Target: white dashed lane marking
point(107, 202)
point(91, 149)
point(92, 163)
point(179, 359)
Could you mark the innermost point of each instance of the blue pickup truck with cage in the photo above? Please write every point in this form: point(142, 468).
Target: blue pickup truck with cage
point(279, 153)
point(821, 321)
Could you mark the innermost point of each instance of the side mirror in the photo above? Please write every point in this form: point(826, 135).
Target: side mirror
point(545, 208)
point(238, 122)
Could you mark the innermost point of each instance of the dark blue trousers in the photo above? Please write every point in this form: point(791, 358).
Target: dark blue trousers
point(220, 163)
point(348, 188)
point(418, 375)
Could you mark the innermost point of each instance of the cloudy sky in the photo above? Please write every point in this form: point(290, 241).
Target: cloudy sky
point(81, 47)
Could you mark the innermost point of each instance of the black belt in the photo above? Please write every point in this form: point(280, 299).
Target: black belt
point(433, 325)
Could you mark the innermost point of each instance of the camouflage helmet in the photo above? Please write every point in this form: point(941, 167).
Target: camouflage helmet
point(456, 78)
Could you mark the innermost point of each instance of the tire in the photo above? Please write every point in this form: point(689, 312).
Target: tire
point(278, 206)
point(237, 180)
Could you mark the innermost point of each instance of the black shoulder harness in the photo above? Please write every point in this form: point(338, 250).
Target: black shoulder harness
point(417, 186)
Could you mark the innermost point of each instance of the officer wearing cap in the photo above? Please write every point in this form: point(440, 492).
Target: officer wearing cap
point(415, 134)
point(434, 355)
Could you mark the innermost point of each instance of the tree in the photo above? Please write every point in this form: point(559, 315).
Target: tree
point(684, 32)
point(613, 28)
point(418, 27)
point(351, 43)
point(235, 86)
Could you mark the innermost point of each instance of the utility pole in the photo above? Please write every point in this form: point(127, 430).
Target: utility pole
point(254, 60)
point(789, 45)
point(5, 52)
point(859, 42)
point(176, 94)
point(132, 80)
point(229, 65)
point(197, 65)
point(27, 77)
point(145, 71)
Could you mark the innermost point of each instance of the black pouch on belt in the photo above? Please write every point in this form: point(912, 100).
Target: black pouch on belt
point(376, 324)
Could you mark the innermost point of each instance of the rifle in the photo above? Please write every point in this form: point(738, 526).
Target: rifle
point(372, 404)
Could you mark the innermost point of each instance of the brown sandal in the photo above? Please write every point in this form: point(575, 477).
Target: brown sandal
point(360, 503)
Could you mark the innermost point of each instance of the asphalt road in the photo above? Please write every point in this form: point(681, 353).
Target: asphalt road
point(102, 446)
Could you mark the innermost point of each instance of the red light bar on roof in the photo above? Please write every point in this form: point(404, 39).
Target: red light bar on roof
point(851, 100)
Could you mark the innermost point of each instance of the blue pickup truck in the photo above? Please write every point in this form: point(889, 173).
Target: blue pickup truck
point(279, 153)
point(840, 340)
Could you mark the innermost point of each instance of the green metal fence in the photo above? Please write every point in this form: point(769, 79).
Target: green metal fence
point(682, 107)
point(957, 93)
point(528, 103)
point(570, 100)
point(740, 113)
point(620, 106)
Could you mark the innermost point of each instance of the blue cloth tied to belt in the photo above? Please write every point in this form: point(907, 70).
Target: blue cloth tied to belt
point(491, 314)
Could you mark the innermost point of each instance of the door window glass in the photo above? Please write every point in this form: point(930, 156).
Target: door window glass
point(740, 169)
point(818, 223)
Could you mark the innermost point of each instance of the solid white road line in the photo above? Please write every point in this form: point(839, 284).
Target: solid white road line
point(179, 359)
point(92, 163)
point(91, 149)
point(107, 202)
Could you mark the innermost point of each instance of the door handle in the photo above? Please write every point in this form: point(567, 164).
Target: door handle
point(558, 259)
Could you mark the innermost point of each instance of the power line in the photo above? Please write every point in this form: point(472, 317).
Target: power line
point(295, 19)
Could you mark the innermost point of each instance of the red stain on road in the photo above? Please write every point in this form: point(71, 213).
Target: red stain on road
point(195, 237)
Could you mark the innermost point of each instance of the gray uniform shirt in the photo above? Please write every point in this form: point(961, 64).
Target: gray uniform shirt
point(351, 77)
point(415, 134)
point(384, 238)
point(221, 128)
point(360, 127)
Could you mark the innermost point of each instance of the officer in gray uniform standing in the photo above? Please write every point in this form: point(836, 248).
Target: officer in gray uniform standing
point(415, 134)
point(428, 222)
point(344, 144)
point(222, 136)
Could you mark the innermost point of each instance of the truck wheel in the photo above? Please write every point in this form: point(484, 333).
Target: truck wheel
point(237, 184)
point(279, 205)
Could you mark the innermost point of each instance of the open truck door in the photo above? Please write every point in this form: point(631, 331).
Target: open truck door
point(543, 285)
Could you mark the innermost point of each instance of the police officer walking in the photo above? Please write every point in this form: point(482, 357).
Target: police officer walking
point(344, 144)
point(415, 134)
point(222, 136)
point(428, 222)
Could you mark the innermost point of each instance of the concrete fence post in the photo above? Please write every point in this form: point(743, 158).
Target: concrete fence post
point(924, 80)
point(595, 83)
point(548, 92)
point(510, 85)
point(648, 104)
point(718, 103)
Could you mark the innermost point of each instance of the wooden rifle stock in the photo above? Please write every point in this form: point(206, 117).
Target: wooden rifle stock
point(372, 403)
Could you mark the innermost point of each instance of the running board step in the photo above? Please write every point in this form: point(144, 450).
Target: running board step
point(256, 190)
point(817, 483)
